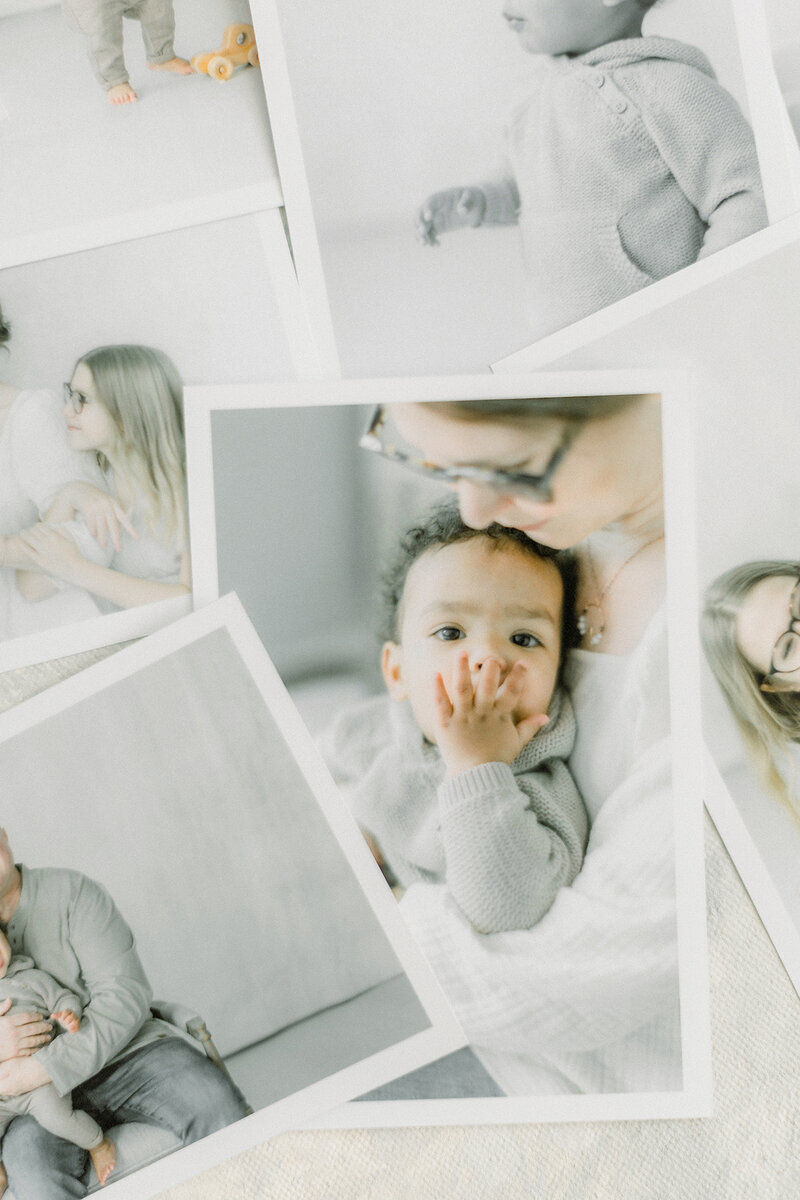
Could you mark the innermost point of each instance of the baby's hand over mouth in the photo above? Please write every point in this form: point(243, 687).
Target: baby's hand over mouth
point(475, 726)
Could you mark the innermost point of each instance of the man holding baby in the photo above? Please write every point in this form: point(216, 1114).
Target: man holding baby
point(122, 1065)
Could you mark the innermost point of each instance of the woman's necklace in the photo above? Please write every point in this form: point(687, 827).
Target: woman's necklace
point(591, 620)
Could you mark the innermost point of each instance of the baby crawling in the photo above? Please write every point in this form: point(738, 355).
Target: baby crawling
point(461, 777)
point(30, 989)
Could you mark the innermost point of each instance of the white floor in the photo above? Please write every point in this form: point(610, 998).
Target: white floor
point(327, 1042)
point(401, 308)
point(69, 157)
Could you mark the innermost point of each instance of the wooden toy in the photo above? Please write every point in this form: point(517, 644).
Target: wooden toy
point(238, 49)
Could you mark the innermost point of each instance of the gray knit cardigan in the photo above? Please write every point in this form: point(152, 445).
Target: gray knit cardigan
point(503, 838)
point(624, 164)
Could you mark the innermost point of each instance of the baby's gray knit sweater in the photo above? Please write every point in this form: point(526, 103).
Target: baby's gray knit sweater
point(624, 164)
point(504, 838)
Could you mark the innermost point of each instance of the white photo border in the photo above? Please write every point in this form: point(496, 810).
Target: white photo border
point(444, 1034)
point(146, 222)
point(778, 151)
point(294, 183)
point(678, 403)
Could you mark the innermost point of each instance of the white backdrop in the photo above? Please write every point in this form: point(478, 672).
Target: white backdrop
point(176, 291)
point(175, 789)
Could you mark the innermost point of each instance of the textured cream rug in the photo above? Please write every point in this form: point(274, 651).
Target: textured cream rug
point(750, 1149)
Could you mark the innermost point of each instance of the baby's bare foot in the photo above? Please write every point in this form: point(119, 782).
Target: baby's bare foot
point(3, 1180)
point(121, 93)
point(177, 66)
point(68, 1019)
point(104, 1159)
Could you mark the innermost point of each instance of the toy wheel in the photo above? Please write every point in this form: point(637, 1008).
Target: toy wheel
point(252, 56)
point(220, 68)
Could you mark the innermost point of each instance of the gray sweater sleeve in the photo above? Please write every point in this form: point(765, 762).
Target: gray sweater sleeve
point(502, 199)
point(513, 837)
point(120, 994)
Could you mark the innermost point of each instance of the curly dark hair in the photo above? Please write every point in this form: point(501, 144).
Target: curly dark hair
point(442, 526)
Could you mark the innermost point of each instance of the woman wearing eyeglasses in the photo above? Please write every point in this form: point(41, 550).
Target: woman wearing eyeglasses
point(35, 463)
point(117, 529)
point(587, 1000)
point(751, 636)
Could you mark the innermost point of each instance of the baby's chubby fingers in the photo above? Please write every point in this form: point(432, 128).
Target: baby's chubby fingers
point(461, 694)
point(425, 226)
point(441, 701)
point(530, 726)
point(124, 520)
point(510, 692)
point(487, 687)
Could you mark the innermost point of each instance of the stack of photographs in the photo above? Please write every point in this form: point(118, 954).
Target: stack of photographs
point(396, 488)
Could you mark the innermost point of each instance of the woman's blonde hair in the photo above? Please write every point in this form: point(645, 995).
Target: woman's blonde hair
point(143, 392)
point(768, 721)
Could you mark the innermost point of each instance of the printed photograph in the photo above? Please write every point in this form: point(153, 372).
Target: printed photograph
point(515, 170)
point(465, 592)
point(112, 107)
point(746, 520)
point(170, 959)
point(92, 464)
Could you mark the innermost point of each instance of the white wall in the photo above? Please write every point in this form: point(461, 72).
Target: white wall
point(202, 294)
point(783, 18)
point(175, 789)
point(9, 8)
point(305, 521)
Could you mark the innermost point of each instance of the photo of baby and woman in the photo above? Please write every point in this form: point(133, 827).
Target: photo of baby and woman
point(515, 171)
point(506, 637)
point(92, 461)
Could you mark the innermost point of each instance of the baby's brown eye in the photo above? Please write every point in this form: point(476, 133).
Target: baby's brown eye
point(526, 640)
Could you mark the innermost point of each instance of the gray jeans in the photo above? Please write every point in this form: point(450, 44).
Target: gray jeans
point(165, 1083)
point(101, 23)
point(54, 1113)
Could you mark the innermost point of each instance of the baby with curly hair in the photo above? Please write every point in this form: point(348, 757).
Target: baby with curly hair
point(458, 775)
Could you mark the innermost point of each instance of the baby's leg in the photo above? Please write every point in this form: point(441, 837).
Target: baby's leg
point(3, 1180)
point(56, 1114)
point(100, 21)
point(158, 30)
